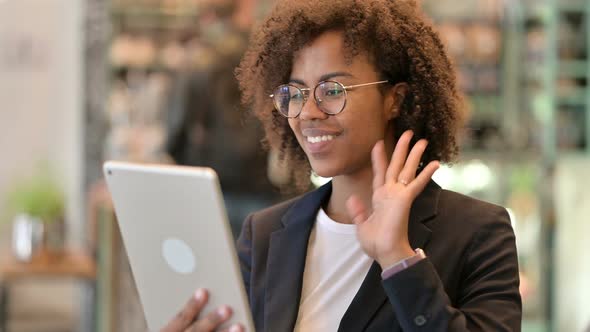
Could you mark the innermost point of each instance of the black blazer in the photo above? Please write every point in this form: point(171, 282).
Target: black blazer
point(469, 282)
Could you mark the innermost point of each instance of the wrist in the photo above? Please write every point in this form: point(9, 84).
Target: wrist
point(403, 264)
point(395, 256)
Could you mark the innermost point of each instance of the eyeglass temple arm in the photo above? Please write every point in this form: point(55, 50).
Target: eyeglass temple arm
point(364, 84)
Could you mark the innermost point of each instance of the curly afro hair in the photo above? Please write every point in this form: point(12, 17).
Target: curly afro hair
point(403, 46)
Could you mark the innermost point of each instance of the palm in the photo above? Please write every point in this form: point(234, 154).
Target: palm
point(383, 230)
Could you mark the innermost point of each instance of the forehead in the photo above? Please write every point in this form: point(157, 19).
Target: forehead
point(328, 43)
point(328, 53)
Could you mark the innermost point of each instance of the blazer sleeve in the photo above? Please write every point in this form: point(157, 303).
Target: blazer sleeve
point(489, 299)
point(244, 249)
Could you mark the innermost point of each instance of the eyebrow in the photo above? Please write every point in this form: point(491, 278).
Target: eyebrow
point(324, 77)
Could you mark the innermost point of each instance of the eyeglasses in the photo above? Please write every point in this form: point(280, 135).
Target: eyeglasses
point(330, 97)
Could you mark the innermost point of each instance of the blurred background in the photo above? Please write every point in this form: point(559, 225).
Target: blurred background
point(83, 81)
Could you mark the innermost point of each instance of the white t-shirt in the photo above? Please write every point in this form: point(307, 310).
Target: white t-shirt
point(335, 267)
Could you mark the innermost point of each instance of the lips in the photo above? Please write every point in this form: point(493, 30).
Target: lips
point(318, 132)
point(319, 140)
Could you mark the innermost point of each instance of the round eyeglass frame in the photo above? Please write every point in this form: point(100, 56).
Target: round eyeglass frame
point(306, 91)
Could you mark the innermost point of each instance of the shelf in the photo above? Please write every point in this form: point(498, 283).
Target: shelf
point(540, 12)
point(154, 12)
point(579, 97)
point(485, 21)
point(75, 264)
point(503, 156)
point(534, 73)
point(573, 7)
point(573, 68)
point(152, 67)
point(154, 18)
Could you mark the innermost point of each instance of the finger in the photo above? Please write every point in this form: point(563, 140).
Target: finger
point(190, 311)
point(379, 158)
point(408, 173)
point(418, 185)
point(235, 328)
point(398, 159)
point(356, 209)
point(212, 320)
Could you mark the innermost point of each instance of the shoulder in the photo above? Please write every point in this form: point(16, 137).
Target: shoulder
point(456, 214)
point(269, 219)
point(466, 211)
point(465, 222)
point(300, 210)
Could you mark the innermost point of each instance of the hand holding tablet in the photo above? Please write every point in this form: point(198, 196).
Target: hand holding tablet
point(186, 320)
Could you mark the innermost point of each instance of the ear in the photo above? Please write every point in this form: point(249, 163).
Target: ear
point(394, 99)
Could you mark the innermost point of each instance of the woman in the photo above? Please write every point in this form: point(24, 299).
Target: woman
point(340, 86)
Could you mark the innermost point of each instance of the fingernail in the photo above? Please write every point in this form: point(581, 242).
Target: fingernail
point(199, 294)
point(235, 328)
point(223, 312)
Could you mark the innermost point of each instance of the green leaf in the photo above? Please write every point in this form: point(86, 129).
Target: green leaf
point(38, 196)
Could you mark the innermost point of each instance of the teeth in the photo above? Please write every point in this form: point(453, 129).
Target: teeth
point(318, 139)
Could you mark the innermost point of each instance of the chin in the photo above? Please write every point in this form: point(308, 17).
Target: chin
point(330, 169)
point(325, 171)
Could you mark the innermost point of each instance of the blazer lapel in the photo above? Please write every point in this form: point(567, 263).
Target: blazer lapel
point(286, 261)
point(369, 298)
point(424, 208)
point(371, 295)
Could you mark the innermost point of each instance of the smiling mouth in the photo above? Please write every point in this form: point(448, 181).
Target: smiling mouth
point(318, 139)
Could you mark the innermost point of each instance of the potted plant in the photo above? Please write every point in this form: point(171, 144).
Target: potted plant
point(37, 205)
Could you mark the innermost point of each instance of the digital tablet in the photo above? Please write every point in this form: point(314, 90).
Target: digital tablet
point(177, 236)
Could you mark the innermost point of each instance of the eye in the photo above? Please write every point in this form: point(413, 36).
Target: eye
point(297, 96)
point(330, 91)
point(334, 92)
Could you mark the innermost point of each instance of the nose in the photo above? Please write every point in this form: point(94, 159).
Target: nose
point(311, 111)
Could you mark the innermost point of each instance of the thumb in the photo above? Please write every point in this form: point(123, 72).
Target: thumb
point(356, 209)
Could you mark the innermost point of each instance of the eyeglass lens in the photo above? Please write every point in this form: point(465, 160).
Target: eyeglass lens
point(330, 98)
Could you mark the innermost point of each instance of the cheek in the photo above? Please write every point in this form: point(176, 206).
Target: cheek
point(368, 120)
point(367, 132)
point(294, 125)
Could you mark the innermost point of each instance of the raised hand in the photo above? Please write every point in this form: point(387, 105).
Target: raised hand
point(189, 319)
point(382, 229)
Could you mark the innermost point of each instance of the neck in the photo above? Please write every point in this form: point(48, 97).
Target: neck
point(359, 183)
point(343, 186)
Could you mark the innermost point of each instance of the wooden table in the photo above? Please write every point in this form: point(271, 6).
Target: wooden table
point(69, 264)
